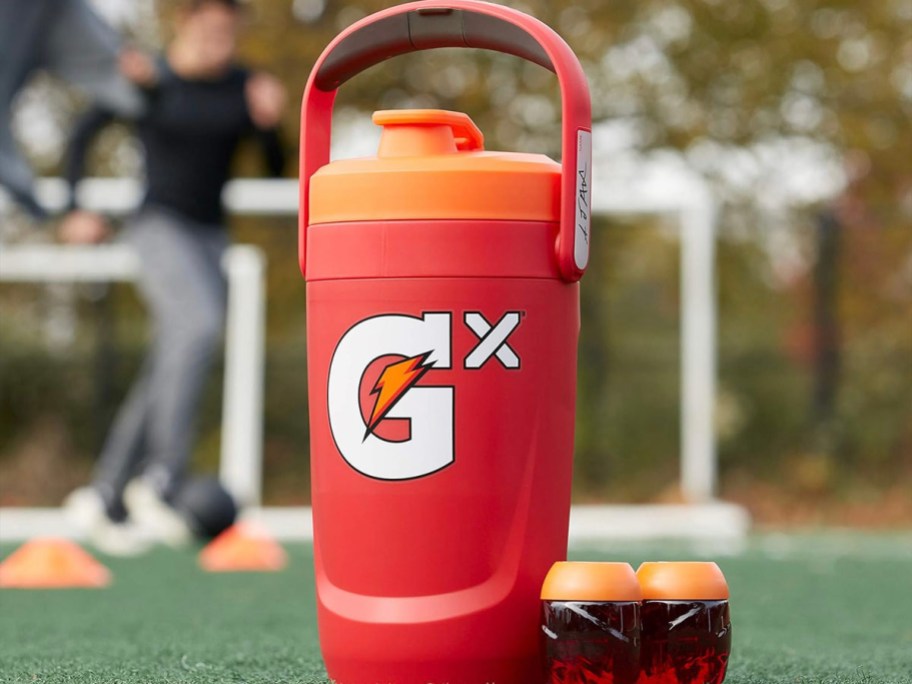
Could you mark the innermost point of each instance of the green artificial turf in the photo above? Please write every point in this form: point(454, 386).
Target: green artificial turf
point(813, 609)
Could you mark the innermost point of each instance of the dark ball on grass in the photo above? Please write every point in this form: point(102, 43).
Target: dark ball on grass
point(206, 505)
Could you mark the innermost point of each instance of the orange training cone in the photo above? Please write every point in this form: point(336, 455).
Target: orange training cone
point(243, 548)
point(52, 564)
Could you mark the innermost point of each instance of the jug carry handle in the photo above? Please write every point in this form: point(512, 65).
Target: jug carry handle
point(459, 23)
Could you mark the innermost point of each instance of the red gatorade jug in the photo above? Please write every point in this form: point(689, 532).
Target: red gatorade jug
point(442, 325)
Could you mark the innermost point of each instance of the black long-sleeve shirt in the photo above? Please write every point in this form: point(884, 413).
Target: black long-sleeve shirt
point(190, 130)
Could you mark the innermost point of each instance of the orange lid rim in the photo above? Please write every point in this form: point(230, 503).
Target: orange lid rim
point(591, 582)
point(682, 581)
point(431, 165)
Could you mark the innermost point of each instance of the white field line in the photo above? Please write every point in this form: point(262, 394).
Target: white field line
point(588, 524)
point(713, 531)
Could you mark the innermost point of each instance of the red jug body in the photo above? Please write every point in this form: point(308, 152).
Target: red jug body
point(429, 559)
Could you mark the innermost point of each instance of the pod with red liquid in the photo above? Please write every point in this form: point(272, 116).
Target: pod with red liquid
point(591, 624)
point(686, 625)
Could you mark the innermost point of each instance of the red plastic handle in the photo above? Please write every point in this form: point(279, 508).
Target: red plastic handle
point(458, 23)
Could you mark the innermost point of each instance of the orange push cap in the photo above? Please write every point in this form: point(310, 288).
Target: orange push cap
point(416, 132)
point(682, 581)
point(568, 581)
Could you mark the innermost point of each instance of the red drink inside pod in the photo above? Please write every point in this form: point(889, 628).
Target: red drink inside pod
point(591, 624)
point(686, 623)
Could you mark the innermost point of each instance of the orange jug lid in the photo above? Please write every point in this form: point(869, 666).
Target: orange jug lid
point(576, 581)
point(682, 581)
point(432, 165)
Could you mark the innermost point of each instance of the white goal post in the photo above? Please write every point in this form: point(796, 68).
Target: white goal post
point(687, 201)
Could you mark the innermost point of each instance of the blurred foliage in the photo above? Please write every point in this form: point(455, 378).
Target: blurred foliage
point(698, 77)
point(687, 72)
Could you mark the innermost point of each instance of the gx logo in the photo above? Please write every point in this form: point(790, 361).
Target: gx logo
point(492, 340)
point(391, 414)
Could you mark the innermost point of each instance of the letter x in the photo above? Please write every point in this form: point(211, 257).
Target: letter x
point(492, 341)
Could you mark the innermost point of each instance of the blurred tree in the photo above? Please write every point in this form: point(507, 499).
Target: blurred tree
point(734, 89)
point(825, 318)
point(706, 78)
point(685, 71)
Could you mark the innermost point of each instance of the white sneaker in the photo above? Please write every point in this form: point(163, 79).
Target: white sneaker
point(86, 510)
point(150, 511)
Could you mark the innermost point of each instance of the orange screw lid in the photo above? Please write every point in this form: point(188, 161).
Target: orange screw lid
point(432, 165)
point(568, 581)
point(682, 581)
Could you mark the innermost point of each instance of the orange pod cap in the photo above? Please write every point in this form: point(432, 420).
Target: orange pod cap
point(682, 581)
point(569, 581)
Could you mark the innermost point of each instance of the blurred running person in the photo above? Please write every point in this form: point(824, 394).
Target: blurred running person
point(198, 107)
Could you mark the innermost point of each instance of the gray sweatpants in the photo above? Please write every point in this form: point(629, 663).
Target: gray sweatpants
point(185, 290)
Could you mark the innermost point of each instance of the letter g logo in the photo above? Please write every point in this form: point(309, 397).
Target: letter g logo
point(373, 386)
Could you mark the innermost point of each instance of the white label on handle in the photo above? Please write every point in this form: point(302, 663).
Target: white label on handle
point(583, 198)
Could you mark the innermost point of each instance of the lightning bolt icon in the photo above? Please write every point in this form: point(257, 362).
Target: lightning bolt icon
point(395, 380)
